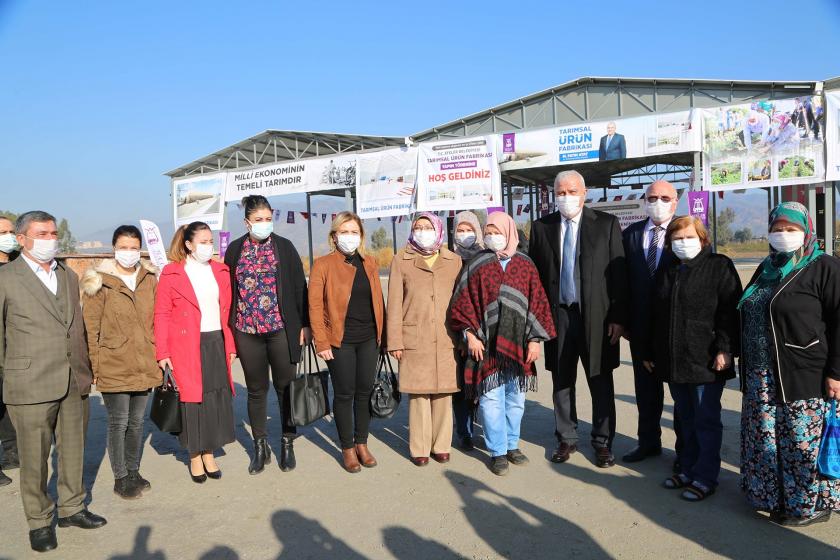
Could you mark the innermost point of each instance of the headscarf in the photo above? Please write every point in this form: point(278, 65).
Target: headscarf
point(437, 224)
point(468, 217)
point(783, 119)
point(776, 265)
point(507, 227)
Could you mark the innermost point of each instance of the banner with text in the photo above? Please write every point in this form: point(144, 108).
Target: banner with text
point(617, 139)
point(200, 199)
point(386, 182)
point(458, 174)
point(319, 174)
point(763, 143)
point(830, 122)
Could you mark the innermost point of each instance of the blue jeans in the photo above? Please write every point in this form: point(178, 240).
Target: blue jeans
point(501, 413)
point(698, 407)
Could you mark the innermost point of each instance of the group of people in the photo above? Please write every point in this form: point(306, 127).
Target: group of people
point(465, 325)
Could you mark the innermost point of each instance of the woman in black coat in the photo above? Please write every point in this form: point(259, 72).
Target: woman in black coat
point(270, 322)
point(693, 337)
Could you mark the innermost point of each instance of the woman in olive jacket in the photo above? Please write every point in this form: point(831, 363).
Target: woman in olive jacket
point(118, 306)
point(693, 337)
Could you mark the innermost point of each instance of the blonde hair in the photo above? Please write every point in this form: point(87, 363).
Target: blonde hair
point(684, 222)
point(178, 248)
point(340, 219)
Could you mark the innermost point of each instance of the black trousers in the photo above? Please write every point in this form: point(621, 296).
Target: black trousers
point(564, 376)
point(650, 396)
point(258, 352)
point(8, 436)
point(352, 370)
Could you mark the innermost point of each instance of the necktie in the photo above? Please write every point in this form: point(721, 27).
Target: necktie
point(567, 272)
point(654, 245)
point(607, 144)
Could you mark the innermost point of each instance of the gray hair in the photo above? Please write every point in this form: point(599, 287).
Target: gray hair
point(563, 175)
point(23, 221)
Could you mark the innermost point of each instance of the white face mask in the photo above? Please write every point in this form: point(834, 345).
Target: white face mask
point(425, 238)
point(261, 230)
point(495, 242)
point(44, 250)
point(568, 205)
point(8, 243)
point(127, 258)
point(686, 249)
point(659, 211)
point(347, 243)
point(203, 252)
point(787, 241)
point(465, 239)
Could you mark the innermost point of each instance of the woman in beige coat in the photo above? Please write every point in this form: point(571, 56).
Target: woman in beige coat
point(118, 307)
point(422, 280)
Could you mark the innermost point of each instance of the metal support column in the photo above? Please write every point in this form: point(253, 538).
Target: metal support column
point(309, 229)
point(829, 218)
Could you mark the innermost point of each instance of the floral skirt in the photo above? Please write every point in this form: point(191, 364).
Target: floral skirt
point(779, 448)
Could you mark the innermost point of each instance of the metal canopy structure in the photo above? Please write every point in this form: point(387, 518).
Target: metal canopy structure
point(602, 98)
point(275, 146)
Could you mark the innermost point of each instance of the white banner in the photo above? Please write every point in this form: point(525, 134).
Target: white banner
point(293, 177)
point(199, 199)
point(829, 121)
point(617, 139)
point(764, 143)
point(386, 183)
point(154, 244)
point(458, 174)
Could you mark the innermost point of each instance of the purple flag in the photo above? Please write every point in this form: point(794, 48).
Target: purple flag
point(291, 217)
point(508, 143)
point(698, 205)
point(224, 241)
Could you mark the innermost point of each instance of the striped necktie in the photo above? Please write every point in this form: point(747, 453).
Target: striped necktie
point(654, 245)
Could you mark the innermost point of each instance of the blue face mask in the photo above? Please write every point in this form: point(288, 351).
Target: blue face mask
point(261, 230)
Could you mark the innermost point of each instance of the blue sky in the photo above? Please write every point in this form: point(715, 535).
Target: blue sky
point(98, 99)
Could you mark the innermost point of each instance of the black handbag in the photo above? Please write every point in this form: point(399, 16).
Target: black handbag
point(166, 405)
point(385, 397)
point(308, 392)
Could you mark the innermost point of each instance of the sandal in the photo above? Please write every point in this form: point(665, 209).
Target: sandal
point(696, 492)
point(676, 481)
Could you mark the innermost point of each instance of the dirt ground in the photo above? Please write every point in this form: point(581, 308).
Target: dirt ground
point(397, 510)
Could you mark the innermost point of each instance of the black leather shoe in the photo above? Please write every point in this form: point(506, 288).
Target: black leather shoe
point(127, 489)
point(287, 454)
point(499, 465)
point(819, 517)
point(83, 520)
point(262, 455)
point(604, 457)
point(11, 460)
point(198, 479)
point(43, 539)
point(134, 476)
point(563, 452)
point(641, 453)
point(4, 480)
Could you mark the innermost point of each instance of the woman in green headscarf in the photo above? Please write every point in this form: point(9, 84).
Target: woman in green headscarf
point(790, 371)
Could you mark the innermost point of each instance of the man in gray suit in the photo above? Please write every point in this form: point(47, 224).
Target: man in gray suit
point(46, 377)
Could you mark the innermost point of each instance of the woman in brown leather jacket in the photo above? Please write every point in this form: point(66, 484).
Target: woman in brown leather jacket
point(346, 314)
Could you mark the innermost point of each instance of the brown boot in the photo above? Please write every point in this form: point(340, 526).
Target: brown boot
point(367, 460)
point(351, 461)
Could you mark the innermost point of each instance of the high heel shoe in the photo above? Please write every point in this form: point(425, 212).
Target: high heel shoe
point(215, 475)
point(262, 455)
point(198, 479)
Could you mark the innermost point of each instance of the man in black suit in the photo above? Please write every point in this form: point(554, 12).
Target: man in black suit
point(612, 145)
point(580, 257)
point(644, 247)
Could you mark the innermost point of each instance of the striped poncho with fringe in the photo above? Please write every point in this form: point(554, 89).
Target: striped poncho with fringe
point(505, 309)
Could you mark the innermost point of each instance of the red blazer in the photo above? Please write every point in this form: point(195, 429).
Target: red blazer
point(178, 326)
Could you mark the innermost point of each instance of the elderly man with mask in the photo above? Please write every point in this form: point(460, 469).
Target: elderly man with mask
point(580, 257)
point(644, 248)
point(46, 377)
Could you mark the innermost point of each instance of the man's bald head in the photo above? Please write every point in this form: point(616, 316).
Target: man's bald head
point(659, 192)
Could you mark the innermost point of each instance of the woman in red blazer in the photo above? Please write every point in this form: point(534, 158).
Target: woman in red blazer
point(193, 339)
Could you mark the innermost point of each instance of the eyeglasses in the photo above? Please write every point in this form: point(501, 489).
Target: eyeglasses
point(665, 199)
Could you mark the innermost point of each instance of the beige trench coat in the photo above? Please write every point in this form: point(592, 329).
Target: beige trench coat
point(418, 299)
